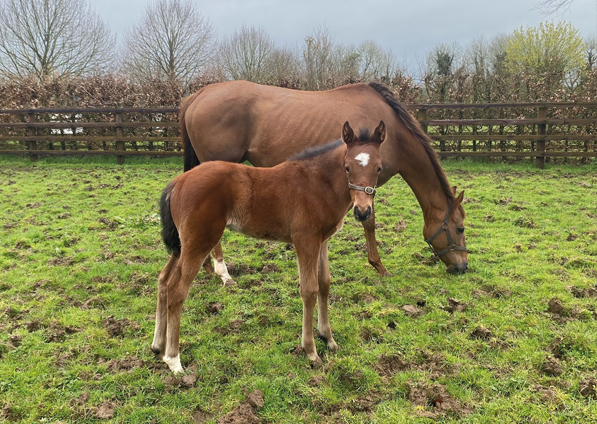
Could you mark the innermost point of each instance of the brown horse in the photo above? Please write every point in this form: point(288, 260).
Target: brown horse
point(301, 201)
point(238, 120)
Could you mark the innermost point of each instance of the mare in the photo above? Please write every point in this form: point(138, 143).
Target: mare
point(239, 120)
point(301, 201)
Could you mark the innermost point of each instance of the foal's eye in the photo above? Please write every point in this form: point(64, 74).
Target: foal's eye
point(347, 169)
point(460, 230)
point(379, 170)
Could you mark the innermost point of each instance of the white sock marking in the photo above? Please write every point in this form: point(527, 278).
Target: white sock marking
point(363, 158)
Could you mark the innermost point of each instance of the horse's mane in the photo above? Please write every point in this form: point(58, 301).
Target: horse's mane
point(312, 152)
point(413, 126)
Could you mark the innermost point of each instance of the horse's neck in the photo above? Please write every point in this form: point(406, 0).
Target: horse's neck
point(420, 174)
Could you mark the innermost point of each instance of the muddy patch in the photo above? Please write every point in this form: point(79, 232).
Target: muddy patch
point(588, 387)
point(269, 268)
point(388, 365)
point(552, 366)
point(581, 293)
point(105, 410)
point(245, 412)
point(57, 332)
point(412, 311)
point(118, 327)
point(433, 401)
point(454, 305)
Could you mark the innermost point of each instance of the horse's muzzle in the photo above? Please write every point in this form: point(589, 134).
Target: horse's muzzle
point(458, 268)
point(362, 216)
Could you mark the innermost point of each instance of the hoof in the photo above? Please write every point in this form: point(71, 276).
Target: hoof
point(227, 282)
point(333, 346)
point(157, 351)
point(174, 364)
point(316, 363)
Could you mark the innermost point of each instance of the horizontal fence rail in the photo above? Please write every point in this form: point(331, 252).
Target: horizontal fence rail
point(557, 130)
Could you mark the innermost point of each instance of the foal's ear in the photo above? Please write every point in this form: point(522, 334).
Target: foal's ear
point(454, 191)
point(379, 135)
point(347, 133)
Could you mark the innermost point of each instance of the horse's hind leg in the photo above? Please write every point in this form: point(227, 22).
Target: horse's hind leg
point(170, 271)
point(373, 254)
point(324, 279)
point(220, 266)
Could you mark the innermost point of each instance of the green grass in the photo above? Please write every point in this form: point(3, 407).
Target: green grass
point(80, 250)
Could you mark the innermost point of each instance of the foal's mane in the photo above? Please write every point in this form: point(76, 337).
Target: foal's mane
point(312, 152)
point(413, 126)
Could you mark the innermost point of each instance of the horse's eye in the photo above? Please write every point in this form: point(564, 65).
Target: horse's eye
point(379, 170)
point(347, 170)
point(460, 230)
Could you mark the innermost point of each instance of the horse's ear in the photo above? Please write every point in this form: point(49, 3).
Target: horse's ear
point(347, 133)
point(459, 199)
point(380, 133)
point(454, 191)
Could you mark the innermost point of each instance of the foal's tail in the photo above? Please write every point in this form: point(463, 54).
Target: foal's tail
point(169, 230)
point(190, 157)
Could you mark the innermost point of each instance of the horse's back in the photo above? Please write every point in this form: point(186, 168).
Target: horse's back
point(240, 120)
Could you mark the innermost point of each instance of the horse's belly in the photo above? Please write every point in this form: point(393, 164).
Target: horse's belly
point(266, 232)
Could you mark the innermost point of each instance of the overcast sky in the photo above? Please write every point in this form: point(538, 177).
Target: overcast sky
point(410, 28)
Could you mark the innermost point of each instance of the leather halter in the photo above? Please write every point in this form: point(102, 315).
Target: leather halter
point(452, 246)
point(368, 190)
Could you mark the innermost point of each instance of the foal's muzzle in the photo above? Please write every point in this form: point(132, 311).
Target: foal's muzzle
point(362, 216)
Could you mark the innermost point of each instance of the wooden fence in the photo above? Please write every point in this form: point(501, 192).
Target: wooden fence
point(513, 130)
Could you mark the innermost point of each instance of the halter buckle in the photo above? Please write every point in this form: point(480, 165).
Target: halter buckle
point(369, 190)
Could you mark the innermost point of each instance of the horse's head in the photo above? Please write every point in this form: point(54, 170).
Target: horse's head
point(363, 165)
point(445, 236)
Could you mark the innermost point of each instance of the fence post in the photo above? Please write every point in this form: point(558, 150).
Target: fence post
point(119, 140)
point(541, 131)
point(422, 116)
point(31, 132)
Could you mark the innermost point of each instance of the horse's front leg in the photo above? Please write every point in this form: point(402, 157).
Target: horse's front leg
point(373, 254)
point(307, 251)
point(324, 279)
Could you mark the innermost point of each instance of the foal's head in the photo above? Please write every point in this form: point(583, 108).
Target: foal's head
point(363, 165)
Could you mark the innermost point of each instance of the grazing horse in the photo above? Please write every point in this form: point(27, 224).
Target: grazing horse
point(239, 120)
point(301, 201)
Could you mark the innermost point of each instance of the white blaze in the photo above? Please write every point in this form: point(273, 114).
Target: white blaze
point(363, 158)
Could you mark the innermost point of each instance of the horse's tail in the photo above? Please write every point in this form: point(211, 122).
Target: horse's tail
point(170, 234)
point(190, 157)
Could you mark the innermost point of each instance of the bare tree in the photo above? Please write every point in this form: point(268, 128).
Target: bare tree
point(318, 58)
point(245, 54)
point(172, 42)
point(550, 7)
point(52, 37)
point(375, 63)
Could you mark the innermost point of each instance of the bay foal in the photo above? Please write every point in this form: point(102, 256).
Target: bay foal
point(301, 201)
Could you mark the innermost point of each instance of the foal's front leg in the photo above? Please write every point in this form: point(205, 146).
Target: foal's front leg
point(307, 251)
point(372, 253)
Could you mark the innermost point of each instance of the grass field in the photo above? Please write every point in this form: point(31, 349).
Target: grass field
point(513, 340)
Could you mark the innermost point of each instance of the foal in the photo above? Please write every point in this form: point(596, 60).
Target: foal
point(301, 201)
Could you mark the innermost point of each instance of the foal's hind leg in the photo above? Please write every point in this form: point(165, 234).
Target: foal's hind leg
point(171, 270)
point(372, 252)
point(324, 279)
point(188, 267)
point(220, 266)
point(307, 251)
